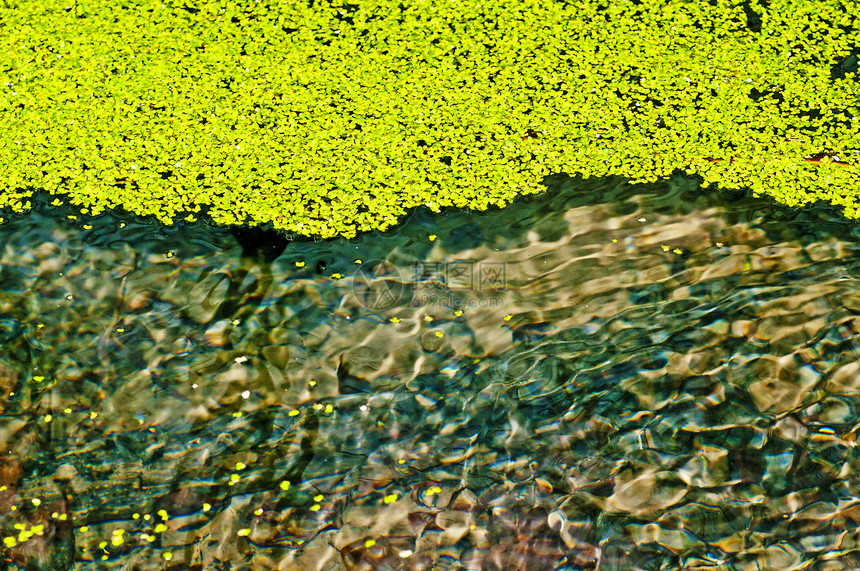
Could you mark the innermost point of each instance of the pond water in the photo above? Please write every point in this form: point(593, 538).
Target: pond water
point(599, 377)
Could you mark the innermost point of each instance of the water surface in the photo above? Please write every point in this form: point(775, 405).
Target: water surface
point(603, 376)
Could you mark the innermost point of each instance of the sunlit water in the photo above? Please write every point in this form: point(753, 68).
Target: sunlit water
point(601, 377)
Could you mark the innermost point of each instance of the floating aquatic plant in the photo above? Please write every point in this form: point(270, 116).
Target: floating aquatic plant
point(333, 118)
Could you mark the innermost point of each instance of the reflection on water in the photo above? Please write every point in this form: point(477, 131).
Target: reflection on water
point(603, 377)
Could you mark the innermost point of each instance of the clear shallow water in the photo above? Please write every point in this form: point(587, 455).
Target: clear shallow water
point(641, 378)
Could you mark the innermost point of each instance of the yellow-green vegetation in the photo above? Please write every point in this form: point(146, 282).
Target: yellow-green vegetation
point(333, 118)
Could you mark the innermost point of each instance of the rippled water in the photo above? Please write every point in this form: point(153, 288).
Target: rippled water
point(601, 377)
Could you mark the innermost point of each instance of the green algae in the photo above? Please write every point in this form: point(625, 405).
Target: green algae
point(333, 118)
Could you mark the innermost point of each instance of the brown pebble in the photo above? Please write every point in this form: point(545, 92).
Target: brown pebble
point(8, 383)
point(544, 486)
